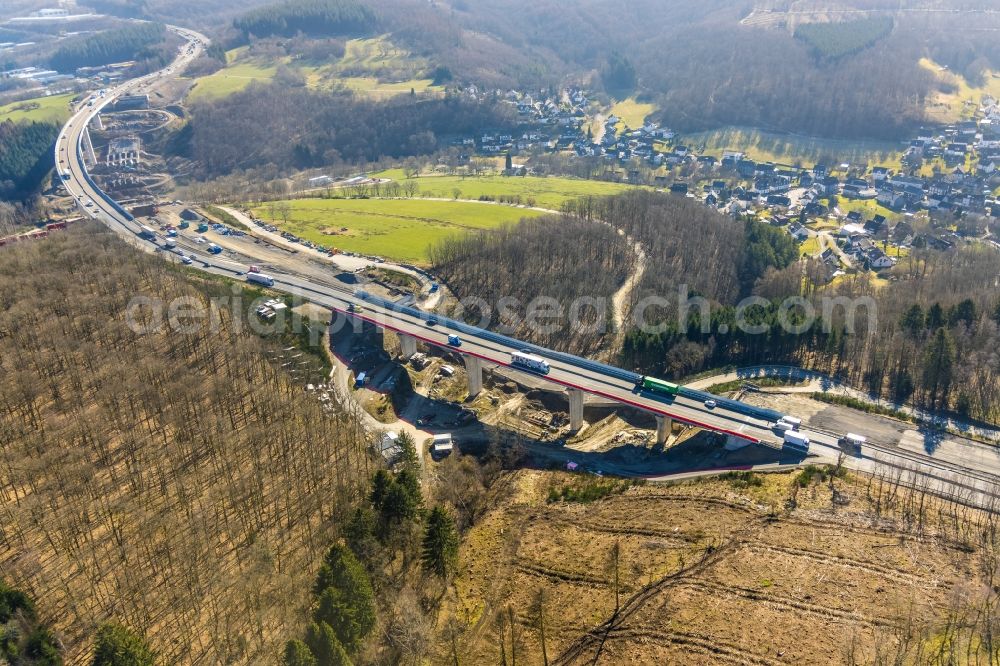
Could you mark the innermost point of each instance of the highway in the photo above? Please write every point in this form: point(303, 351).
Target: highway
point(581, 374)
point(70, 160)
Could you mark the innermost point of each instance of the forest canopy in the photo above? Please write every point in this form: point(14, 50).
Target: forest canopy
point(309, 17)
point(929, 337)
point(25, 157)
point(195, 444)
point(832, 40)
point(133, 42)
point(702, 66)
point(251, 128)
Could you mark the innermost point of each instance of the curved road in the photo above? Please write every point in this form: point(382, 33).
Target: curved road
point(972, 479)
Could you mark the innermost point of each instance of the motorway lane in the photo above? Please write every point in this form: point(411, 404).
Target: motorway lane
point(586, 379)
point(681, 409)
point(70, 137)
point(939, 476)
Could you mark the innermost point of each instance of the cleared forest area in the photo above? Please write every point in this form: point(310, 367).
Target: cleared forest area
point(812, 567)
point(176, 483)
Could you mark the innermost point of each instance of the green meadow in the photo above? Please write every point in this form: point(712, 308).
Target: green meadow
point(398, 229)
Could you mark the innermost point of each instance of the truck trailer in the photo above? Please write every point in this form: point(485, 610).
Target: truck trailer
point(260, 278)
point(657, 386)
point(524, 359)
point(796, 440)
point(852, 443)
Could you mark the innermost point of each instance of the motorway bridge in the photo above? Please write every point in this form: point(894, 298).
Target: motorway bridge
point(974, 473)
point(479, 348)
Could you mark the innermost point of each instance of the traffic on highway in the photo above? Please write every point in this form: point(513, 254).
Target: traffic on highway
point(722, 415)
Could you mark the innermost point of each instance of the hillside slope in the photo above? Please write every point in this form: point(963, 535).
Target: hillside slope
point(795, 568)
point(177, 483)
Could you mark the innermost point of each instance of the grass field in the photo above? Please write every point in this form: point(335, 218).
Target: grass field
point(952, 107)
point(376, 55)
point(868, 208)
point(371, 67)
point(790, 149)
point(631, 113)
point(546, 192)
point(372, 87)
point(810, 246)
point(233, 78)
point(42, 109)
point(400, 229)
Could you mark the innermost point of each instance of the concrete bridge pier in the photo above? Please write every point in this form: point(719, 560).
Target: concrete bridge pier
point(575, 409)
point(88, 149)
point(408, 345)
point(474, 369)
point(664, 425)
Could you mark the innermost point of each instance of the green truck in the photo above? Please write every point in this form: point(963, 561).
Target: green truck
point(657, 386)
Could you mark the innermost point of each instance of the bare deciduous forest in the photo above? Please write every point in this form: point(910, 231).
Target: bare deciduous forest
point(250, 129)
point(927, 334)
point(698, 61)
point(177, 484)
point(683, 239)
point(562, 258)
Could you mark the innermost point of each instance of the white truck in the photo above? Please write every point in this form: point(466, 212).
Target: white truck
point(523, 359)
point(793, 421)
point(851, 443)
point(261, 279)
point(796, 440)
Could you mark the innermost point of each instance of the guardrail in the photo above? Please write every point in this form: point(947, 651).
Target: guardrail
point(733, 405)
point(596, 366)
point(454, 325)
point(90, 181)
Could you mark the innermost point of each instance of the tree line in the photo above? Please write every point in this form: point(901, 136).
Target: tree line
point(928, 338)
point(297, 128)
point(321, 18)
point(25, 157)
point(132, 42)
